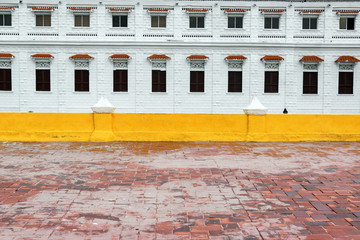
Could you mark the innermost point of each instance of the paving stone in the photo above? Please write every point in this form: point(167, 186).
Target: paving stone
point(179, 190)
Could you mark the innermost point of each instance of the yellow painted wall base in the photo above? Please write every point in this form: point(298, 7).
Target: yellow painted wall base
point(177, 127)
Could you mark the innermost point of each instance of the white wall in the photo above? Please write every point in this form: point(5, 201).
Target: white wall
point(178, 99)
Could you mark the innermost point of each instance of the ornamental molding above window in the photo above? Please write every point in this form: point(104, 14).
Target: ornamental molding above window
point(43, 65)
point(235, 61)
point(5, 60)
point(158, 11)
point(81, 61)
point(346, 12)
point(42, 9)
point(5, 64)
point(197, 61)
point(197, 11)
point(310, 66)
point(42, 61)
point(272, 65)
point(120, 61)
point(307, 12)
point(158, 61)
point(277, 12)
point(120, 10)
point(7, 9)
point(232, 11)
point(349, 67)
point(81, 10)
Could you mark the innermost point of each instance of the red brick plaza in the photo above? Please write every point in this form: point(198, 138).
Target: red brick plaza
point(179, 190)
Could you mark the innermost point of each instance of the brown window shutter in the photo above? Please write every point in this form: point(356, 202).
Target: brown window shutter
point(47, 20)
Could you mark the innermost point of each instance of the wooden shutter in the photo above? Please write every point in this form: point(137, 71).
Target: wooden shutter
point(5, 79)
point(197, 81)
point(47, 20)
point(234, 81)
point(271, 82)
point(346, 82)
point(39, 20)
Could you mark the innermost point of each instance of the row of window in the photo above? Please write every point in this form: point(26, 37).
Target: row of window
point(197, 81)
point(118, 21)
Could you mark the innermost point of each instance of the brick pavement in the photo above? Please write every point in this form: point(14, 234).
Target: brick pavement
point(174, 190)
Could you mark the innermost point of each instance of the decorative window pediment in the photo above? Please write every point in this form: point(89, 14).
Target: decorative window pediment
point(158, 11)
point(235, 61)
point(347, 12)
point(42, 9)
point(235, 11)
point(277, 12)
point(158, 62)
point(7, 9)
point(120, 61)
point(42, 61)
point(346, 67)
point(197, 11)
point(197, 61)
point(5, 60)
point(81, 61)
point(120, 10)
point(272, 62)
point(311, 12)
point(81, 10)
point(311, 63)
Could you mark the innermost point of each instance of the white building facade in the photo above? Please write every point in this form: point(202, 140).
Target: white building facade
point(208, 57)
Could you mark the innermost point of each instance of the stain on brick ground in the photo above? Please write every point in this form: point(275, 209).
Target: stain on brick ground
point(175, 190)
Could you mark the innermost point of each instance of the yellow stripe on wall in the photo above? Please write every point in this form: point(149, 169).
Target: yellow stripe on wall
point(177, 127)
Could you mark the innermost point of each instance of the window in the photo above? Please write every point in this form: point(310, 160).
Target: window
point(82, 20)
point(42, 80)
point(158, 81)
point(120, 81)
point(5, 19)
point(197, 21)
point(81, 80)
point(347, 23)
point(158, 21)
point(271, 82)
point(196, 81)
point(310, 83)
point(120, 21)
point(346, 82)
point(271, 22)
point(235, 22)
point(309, 23)
point(234, 81)
point(5, 79)
point(43, 20)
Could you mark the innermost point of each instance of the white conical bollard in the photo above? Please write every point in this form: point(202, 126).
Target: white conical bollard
point(103, 106)
point(255, 108)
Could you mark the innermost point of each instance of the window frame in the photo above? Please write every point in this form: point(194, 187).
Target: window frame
point(235, 72)
point(43, 19)
point(5, 84)
point(4, 19)
point(120, 84)
point(309, 84)
point(342, 85)
point(120, 22)
point(158, 81)
point(268, 85)
point(158, 20)
point(82, 20)
point(235, 21)
point(81, 81)
point(347, 24)
point(197, 84)
point(272, 17)
point(46, 83)
point(197, 21)
point(309, 23)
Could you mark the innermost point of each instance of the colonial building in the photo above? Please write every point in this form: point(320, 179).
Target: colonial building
point(170, 56)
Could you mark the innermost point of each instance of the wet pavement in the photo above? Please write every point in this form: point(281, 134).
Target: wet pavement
point(179, 190)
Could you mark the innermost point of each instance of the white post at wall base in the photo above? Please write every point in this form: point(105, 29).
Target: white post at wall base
point(255, 108)
point(103, 129)
point(256, 120)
